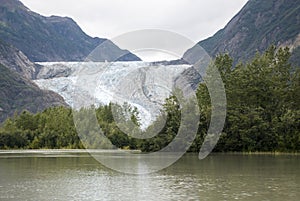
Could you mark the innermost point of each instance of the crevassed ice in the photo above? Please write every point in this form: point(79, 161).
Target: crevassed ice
point(140, 84)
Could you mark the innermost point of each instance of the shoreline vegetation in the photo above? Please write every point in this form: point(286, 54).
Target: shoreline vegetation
point(74, 151)
point(263, 115)
point(117, 151)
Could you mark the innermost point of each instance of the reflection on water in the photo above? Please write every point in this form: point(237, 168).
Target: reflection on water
point(77, 176)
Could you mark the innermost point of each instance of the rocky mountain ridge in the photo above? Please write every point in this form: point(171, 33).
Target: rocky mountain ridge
point(258, 25)
point(52, 38)
point(15, 60)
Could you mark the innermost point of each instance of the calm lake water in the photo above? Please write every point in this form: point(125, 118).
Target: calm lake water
point(77, 176)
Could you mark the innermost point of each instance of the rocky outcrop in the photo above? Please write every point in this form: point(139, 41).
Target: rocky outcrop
point(18, 93)
point(54, 70)
point(17, 61)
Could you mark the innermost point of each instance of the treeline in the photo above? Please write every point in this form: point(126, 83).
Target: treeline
point(54, 128)
point(263, 114)
point(263, 103)
point(263, 106)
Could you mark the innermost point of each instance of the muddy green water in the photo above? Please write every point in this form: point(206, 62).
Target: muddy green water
point(77, 176)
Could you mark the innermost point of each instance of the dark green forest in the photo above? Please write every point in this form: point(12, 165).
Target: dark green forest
point(263, 114)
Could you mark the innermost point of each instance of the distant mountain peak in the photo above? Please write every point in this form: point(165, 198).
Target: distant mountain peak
point(52, 38)
point(59, 19)
point(13, 5)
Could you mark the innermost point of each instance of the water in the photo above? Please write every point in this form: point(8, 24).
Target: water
point(77, 176)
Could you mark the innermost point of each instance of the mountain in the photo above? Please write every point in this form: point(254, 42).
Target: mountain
point(51, 38)
point(16, 61)
point(257, 26)
point(18, 93)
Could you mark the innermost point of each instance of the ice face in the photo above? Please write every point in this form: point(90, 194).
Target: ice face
point(94, 83)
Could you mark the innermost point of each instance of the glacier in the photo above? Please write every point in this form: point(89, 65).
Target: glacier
point(143, 85)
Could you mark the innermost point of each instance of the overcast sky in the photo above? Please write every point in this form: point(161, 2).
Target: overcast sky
point(194, 19)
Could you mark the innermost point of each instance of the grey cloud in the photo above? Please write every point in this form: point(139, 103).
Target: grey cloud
point(195, 19)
